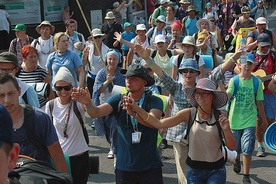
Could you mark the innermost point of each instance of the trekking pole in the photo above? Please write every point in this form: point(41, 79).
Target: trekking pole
point(93, 39)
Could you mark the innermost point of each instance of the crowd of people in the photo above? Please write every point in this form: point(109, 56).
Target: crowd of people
point(207, 104)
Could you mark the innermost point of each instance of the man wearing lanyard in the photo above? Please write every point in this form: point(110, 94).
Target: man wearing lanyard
point(137, 160)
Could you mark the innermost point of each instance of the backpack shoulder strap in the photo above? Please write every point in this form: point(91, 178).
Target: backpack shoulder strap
point(191, 121)
point(196, 35)
point(29, 126)
point(154, 54)
point(236, 84)
point(24, 97)
point(169, 52)
point(51, 107)
point(197, 58)
point(179, 59)
point(14, 42)
point(36, 42)
point(78, 114)
point(255, 84)
point(80, 37)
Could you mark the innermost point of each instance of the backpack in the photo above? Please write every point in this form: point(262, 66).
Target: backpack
point(77, 113)
point(80, 37)
point(236, 81)
point(24, 97)
point(220, 131)
point(29, 171)
point(150, 17)
point(169, 53)
point(14, 42)
point(180, 57)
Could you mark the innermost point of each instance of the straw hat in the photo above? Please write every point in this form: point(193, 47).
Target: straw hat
point(109, 15)
point(188, 40)
point(45, 23)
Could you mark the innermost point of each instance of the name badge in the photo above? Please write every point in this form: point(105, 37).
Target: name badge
point(136, 137)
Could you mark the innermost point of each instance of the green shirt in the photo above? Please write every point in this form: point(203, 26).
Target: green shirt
point(157, 12)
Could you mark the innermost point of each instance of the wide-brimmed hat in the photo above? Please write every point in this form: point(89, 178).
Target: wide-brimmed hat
point(6, 129)
point(188, 64)
point(137, 70)
point(220, 98)
point(97, 32)
point(263, 39)
point(245, 9)
point(109, 15)
point(184, 2)
point(79, 46)
point(20, 27)
point(203, 20)
point(45, 23)
point(140, 27)
point(190, 8)
point(9, 57)
point(188, 40)
point(261, 20)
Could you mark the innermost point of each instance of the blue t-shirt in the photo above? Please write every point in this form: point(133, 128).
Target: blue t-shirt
point(44, 130)
point(141, 156)
point(190, 26)
point(69, 59)
point(128, 37)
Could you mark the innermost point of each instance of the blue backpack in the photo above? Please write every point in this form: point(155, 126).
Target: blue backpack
point(236, 80)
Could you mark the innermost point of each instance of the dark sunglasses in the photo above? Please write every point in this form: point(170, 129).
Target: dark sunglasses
point(66, 88)
point(188, 71)
point(212, 20)
point(96, 37)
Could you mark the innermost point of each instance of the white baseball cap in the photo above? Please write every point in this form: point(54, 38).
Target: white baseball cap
point(141, 27)
point(261, 20)
point(159, 39)
point(164, 1)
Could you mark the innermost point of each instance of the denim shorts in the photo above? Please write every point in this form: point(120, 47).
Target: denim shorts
point(212, 176)
point(245, 140)
point(270, 105)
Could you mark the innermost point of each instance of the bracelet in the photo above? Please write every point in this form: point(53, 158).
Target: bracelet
point(151, 62)
point(232, 60)
point(90, 106)
point(147, 117)
point(104, 85)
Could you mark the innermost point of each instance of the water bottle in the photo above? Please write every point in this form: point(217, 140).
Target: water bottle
point(243, 57)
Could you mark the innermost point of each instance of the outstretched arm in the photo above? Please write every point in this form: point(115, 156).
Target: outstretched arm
point(145, 54)
point(118, 38)
point(231, 61)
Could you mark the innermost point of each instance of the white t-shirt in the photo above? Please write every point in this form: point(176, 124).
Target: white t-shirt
point(180, 77)
point(4, 24)
point(146, 44)
point(75, 143)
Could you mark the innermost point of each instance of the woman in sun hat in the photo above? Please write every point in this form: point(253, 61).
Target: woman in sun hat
point(205, 159)
point(202, 24)
point(44, 44)
point(92, 58)
point(189, 49)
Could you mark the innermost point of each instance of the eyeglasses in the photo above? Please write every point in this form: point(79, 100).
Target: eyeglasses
point(96, 37)
point(185, 71)
point(204, 94)
point(212, 20)
point(7, 70)
point(66, 88)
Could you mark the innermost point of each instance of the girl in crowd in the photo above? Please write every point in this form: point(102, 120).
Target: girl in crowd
point(68, 127)
point(64, 57)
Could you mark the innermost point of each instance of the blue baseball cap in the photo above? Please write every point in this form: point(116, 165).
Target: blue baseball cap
point(5, 126)
point(188, 64)
point(126, 24)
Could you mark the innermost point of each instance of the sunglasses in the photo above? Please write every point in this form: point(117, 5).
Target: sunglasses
point(188, 71)
point(96, 37)
point(212, 20)
point(66, 88)
point(204, 95)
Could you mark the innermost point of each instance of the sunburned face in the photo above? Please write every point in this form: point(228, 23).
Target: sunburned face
point(9, 95)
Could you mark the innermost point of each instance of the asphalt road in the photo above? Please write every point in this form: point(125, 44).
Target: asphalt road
point(263, 170)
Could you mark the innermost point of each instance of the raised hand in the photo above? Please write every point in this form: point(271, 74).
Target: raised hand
point(81, 95)
point(143, 52)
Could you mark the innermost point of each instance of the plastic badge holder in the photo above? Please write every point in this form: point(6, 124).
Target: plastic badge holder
point(270, 137)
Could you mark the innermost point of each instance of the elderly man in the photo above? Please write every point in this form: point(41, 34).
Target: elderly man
point(20, 41)
point(251, 41)
point(33, 129)
point(109, 28)
point(137, 160)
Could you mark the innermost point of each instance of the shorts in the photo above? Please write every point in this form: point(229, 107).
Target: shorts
point(270, 105)
point(245, 140)
point(125, 52)
point(206, 175)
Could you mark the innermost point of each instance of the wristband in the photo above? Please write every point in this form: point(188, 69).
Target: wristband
point(151, 62)
point(147, 117)
point(90, 106)
point(104, 85)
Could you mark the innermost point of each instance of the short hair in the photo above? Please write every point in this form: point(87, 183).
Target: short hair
point(68, 22)
point(57, 37)
point(173, 8)
point(27, 49)
point(6, 147)
point(6, 77)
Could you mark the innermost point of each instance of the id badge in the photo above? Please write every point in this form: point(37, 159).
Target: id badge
point(136, 137)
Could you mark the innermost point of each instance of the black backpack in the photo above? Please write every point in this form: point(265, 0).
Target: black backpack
point(29, 171)
point(180, 57)
point(169, 53)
